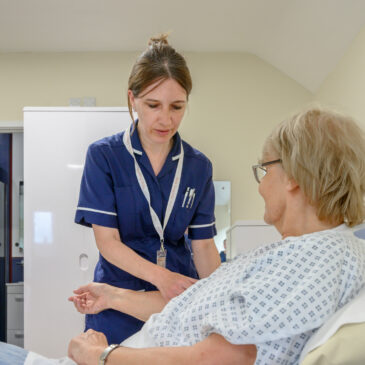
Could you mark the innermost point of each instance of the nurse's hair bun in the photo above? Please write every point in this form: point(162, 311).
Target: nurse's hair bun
point(158, 62)
point(159, 40)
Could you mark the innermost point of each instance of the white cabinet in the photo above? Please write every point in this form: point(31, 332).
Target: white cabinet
point(59, 254)
point(15, 314)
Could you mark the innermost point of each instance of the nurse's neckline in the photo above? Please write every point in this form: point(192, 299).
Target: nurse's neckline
point(140, 152)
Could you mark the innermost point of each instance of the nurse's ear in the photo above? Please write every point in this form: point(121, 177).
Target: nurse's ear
point(131, 99)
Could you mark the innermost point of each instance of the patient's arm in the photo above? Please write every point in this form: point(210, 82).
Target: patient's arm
point(96, 297)
point(214, 350)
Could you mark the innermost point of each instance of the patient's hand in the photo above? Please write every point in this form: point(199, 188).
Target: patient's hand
point(87, 347)
point(92, 298)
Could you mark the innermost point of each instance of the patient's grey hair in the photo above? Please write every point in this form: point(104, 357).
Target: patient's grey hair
point(324, 152)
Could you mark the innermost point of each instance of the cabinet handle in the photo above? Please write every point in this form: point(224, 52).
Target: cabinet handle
point(19, 299)
point(20, 335)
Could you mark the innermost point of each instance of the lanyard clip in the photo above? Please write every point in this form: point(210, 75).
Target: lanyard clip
point(162, 245)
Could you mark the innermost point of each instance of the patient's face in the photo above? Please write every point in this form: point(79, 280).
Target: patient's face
point(273, 189)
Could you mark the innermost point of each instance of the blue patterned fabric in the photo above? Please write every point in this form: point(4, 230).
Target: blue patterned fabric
point(275, 296)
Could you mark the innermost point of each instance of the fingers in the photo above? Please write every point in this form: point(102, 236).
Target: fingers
point(80, 304)
point(80, 296)
point(188, 281)
point(82, 289)
point(192, 280)
point(175, 285)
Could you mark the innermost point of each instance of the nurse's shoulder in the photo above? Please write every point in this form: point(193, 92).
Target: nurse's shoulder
point(107, 148)
point(195, 157)
point(110, 142)
point(108, 153)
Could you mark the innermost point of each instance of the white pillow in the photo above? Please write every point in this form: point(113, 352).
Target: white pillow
point(353, 312)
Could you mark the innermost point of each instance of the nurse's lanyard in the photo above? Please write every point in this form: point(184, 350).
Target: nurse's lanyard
point(162, 252)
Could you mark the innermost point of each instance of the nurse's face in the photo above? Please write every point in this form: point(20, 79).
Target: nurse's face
point(160, 108)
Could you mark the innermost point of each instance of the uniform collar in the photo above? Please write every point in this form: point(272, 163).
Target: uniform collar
point(173, 155)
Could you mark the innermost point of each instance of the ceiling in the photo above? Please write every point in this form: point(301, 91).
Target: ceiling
point(305, 39)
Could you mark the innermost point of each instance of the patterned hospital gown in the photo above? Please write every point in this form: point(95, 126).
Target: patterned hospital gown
point(275, 296)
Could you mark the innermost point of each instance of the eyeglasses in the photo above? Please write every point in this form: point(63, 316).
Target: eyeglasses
point(259, 170)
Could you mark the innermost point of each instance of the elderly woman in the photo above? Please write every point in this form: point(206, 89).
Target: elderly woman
point(261, 307)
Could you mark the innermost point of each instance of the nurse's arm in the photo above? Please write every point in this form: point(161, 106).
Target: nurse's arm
point(116, 252)
point(214, 350)
point(206, 256)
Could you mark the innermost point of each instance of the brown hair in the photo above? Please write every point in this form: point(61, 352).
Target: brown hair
point(158, 62)
point(324, 152)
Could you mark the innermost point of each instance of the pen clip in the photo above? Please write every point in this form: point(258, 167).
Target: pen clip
point(185, 196)
point(191, 192)
point(192, 200)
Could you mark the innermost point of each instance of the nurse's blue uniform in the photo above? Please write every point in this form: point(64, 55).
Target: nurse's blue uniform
point(110, 196)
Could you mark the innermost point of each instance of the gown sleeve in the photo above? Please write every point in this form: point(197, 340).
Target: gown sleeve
point(97, 199)
point(288, 292)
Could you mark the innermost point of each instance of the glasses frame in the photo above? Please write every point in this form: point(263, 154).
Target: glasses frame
point(262, 167)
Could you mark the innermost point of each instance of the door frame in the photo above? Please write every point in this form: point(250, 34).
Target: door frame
point(7, 126)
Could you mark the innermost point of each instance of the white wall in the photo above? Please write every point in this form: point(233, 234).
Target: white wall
point(237, 99)
point(344, 88)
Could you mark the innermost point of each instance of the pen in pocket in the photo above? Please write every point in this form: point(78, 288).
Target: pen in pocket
point(192, 200)
point(185, 196)
point(191, 192)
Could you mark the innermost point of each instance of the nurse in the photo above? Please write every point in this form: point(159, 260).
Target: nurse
point(143, 188)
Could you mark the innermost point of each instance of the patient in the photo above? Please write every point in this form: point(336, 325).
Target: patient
point(261, 307)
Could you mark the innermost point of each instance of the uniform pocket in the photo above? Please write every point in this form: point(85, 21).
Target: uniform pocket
point(181, 221)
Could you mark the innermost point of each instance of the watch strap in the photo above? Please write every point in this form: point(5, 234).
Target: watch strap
point(106, 353)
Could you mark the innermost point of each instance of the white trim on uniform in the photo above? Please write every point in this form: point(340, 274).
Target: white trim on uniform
point(176, 157)
point(137, 152)
point(96, 211)
point(202, 225)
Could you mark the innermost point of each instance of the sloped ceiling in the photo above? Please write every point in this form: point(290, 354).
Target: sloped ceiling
point(305, 39)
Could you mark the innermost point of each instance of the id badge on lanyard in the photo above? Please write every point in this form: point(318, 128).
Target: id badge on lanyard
point(161, 254)
point(161, 257)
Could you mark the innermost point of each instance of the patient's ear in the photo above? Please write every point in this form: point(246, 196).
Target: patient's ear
point(291, 184)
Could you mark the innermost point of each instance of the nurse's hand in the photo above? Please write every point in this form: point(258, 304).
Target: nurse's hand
point(171, 284)
point(87, 347)
point(92, 298)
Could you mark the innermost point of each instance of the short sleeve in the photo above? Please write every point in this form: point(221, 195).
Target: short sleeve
point(202, 225)
point(97, 199)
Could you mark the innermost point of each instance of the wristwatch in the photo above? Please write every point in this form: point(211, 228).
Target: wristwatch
point(106, 353)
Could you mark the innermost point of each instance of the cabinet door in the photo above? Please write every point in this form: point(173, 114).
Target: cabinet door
point(59, 254)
